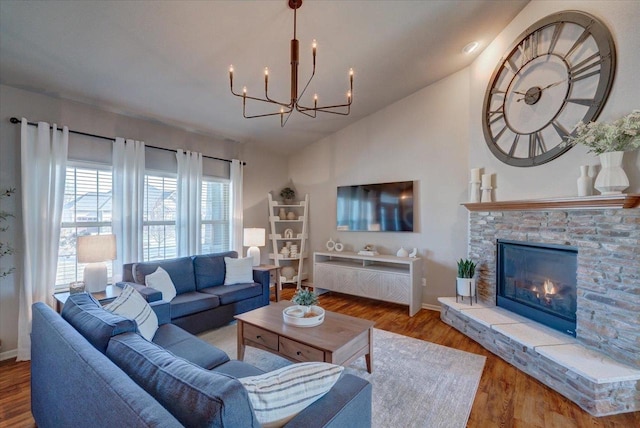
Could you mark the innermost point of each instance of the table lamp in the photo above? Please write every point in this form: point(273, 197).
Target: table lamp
point(95, 250)
point(254, 238)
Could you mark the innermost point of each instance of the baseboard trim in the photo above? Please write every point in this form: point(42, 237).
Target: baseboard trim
point(431, 307)
point(8, 354)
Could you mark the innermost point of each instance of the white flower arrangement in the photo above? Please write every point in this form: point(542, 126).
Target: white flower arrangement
point(618, 136)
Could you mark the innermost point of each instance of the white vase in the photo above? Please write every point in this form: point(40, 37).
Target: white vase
point(466, 287)
point(585, 183)
point(402, 252)
point(611, 180)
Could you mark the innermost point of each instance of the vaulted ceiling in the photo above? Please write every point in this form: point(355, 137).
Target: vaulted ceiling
point(168, 60)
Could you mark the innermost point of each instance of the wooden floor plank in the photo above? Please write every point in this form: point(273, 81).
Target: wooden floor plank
point(506, 397)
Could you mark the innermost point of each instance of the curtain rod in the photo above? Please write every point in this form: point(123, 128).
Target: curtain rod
point(16, 121)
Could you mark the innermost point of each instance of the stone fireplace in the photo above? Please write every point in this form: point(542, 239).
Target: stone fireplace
point(600, 368)
point(539, 282)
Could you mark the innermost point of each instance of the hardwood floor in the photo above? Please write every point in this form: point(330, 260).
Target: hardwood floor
point(506, 397)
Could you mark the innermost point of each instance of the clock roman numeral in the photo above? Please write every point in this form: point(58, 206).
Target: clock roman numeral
point(496, 91)
point(579, 71)
point(562, 132)
point(589, 102)
point(536, 144)
point(585, 34)
point(528, 49)
point(511, 66)
point(556, 36)
point(499, 134)
point(497, 118)
point(514, 145)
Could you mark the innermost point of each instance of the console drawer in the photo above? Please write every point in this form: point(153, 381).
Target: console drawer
point(300, 352)
point(260, 336)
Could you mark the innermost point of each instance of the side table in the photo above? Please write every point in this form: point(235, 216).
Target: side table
point(276, 272)
point(104, 297)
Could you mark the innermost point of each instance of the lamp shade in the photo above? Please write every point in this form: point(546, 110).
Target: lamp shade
point(254, 237)
point(96, 248)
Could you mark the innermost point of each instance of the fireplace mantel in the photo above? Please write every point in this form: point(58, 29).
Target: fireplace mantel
point(623, 200)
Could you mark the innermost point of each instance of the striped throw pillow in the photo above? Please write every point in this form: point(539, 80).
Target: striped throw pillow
point(130, 304)
point(279, 395)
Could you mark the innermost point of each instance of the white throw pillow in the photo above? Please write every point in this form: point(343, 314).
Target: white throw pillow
point(238, 271)
point(130, 304)
point(279, 395)
point(161, 281)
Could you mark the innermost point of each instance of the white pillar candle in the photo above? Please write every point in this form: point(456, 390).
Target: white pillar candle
point(486, 180)
point(475, 175)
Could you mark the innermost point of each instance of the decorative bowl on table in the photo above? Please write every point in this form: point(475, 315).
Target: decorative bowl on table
point(303, 316)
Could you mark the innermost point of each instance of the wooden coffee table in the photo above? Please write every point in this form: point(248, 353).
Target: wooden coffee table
point(340, 339)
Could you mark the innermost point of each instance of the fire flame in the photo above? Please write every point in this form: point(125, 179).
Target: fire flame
point(549, 288)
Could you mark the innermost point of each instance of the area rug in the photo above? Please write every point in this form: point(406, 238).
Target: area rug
point(415, 383)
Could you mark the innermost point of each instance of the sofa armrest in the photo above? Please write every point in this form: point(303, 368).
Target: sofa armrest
point(347, 404)
point(149, 294)
point(263, 278)
point(162, 310)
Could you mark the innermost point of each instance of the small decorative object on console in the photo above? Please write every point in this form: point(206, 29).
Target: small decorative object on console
point(402, 252)
point(368, 250)
point(339, 247)
point(331, 245)
point(474, 191)
point(76, 287)
point(585, 182)
point(291, 215)
point(413, 254)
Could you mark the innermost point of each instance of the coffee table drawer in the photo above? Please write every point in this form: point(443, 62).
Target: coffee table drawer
point(260, 336)
point(300, 352)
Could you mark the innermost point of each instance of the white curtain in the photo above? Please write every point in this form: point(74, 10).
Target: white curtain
point(127, 202)
point(236, 206)
point(188, 212)
point(43, 163)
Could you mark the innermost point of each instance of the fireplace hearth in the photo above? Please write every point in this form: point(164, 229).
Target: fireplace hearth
point(538, 281)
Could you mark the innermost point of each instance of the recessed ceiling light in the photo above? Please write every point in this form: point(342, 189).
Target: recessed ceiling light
point(470, 47)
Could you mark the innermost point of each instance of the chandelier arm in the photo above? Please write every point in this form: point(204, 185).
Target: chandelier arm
point(302, 108)
point(249, 97)
point(305, 112)
point(262, 115)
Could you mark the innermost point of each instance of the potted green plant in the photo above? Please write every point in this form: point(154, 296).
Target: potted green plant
point(465, 282)
point(305, 297)
point(609, 141)
point(288, 195)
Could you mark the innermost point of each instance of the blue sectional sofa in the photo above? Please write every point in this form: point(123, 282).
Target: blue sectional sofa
point(203, 301)
point(90, 367)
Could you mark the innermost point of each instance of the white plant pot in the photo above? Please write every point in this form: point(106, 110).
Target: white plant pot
point(466, 287)
point(612, 179)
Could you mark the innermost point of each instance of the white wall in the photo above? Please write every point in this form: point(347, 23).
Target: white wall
point(558, 177)
point(423, 137)
point(264, 171)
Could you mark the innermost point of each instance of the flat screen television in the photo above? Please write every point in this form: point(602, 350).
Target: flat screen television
point(382, 207)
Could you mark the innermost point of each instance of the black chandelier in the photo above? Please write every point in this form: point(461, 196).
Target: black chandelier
point(287, 108)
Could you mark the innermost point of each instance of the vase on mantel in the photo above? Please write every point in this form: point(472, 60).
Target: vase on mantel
point(585, 182)
point(612, 179)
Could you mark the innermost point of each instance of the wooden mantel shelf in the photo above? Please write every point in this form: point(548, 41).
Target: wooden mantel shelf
point(568, 203)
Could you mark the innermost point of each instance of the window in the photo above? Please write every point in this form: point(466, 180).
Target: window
point(215, 215)
point(86, 211)
point(159, 218)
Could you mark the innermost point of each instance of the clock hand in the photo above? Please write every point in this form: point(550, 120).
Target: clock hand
point(551, 85)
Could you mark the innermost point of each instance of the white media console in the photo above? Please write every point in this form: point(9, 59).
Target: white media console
point(388, 278)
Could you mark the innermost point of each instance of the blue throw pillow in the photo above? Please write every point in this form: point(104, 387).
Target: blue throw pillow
point(193, 395)
point(86, 315)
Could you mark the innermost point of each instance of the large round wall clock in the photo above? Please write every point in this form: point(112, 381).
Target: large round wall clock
point(557, 73)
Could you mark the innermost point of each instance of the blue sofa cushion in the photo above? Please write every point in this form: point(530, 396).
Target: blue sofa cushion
point(234, 293)
point(192, 302)
point(210, 269)
point(86, 315)
point(238, 369)
point(187, 346)
point(180, 270)
point(194, 396)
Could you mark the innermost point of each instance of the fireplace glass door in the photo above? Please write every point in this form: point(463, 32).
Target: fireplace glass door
point(539, 281)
